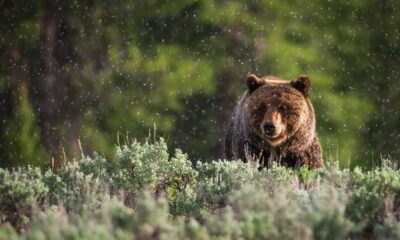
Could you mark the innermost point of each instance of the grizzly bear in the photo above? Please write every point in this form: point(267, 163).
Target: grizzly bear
point(274, 121)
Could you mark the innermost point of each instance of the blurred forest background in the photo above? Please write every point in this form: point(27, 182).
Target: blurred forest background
point(94, 70)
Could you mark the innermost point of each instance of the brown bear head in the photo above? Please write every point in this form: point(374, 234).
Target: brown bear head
point(277, 109)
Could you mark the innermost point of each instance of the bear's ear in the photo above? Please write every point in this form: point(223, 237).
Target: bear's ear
point(303, 84)
point(253, 82)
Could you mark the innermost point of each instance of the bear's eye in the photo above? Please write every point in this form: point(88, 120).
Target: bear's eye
point(261, 110)
point(283, 109)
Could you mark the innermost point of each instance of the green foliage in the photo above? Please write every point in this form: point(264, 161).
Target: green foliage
point(22, 138)
point(19, 190)
point(375, 195)
point(144, 193)
point(306, 175)
point(390, 229)
point(181, 65)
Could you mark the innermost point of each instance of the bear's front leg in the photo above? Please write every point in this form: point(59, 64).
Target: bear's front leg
point(312, 156)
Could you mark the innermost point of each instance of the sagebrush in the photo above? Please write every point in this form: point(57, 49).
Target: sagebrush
point(145, 193)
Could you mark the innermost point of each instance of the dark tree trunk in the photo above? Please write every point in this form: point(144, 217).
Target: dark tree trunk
point(47, 97)
point(7, 104)
point(52, 90)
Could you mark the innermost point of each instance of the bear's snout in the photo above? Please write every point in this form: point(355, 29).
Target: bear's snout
point(269, 128)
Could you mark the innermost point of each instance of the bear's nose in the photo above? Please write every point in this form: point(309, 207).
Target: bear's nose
point(269, 128)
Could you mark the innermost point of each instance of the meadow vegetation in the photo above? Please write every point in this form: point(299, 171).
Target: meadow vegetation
point(147, 193)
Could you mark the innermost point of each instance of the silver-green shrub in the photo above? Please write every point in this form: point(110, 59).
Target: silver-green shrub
point(146, 193)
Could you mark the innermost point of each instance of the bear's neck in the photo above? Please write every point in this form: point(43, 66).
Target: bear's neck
point(290, 145)
point(268, 155)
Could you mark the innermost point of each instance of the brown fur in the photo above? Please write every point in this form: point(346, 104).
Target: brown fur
point(284, 104)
